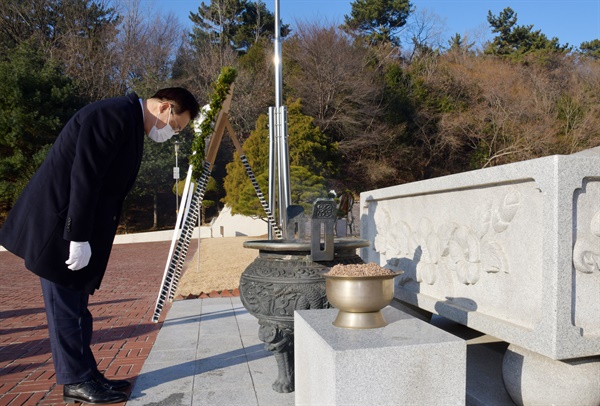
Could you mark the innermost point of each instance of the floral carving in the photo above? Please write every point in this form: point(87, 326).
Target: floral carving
point(586, 252)
point(466, 251)
point(464, 255)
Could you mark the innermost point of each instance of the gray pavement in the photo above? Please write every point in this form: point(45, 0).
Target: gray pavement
point(208, 353)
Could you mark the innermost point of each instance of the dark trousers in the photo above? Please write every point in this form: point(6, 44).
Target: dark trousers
point(70, 326)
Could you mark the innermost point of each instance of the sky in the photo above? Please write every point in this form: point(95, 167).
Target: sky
point(571, 21)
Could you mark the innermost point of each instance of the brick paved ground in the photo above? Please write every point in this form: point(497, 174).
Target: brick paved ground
point(122, 310)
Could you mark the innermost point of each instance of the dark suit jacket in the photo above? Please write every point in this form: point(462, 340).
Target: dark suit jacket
point(78, 192)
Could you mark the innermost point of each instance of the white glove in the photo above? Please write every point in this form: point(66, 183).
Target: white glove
point(79, 255)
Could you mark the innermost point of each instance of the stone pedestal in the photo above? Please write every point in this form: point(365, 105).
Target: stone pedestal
point(533, 379)
point(512, 251)
point(407, 362)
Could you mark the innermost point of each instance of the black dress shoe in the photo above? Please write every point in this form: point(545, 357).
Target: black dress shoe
point(114, 384)
point(92, 392)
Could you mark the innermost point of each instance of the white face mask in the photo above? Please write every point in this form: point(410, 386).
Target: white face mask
point(162, 134)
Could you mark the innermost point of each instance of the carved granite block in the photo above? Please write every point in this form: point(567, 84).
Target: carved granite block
point(512, 251)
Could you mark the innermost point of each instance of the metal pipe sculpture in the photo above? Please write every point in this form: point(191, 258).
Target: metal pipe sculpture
point(278, 138)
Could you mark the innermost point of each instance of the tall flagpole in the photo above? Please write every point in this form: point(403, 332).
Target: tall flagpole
point(277, 60)
point(279, 167)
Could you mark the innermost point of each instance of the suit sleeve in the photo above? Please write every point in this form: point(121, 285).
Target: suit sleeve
point(99, 138)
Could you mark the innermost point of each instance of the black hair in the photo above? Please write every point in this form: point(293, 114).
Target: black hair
point(181, 99)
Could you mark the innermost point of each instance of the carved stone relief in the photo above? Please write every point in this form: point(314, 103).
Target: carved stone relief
point(586, 252)
point(466, 251)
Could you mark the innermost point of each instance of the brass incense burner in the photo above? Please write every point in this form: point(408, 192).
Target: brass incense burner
point(360, 299)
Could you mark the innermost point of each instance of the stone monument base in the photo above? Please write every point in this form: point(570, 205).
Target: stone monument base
point(500, 374)
point(485, 386)
point(407, 362)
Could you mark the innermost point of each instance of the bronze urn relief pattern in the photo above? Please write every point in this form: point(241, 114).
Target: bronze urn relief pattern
point(275, 288)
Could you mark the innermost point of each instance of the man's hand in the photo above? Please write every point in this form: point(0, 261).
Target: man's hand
point(79, 255)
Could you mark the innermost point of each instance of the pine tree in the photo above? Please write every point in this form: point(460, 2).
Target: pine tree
point(591, 48)
point(379, 20)
point(37, 100)
point(235, 23)
point(518, 40)
point(311, 163)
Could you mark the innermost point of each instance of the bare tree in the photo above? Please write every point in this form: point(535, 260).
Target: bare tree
point(578, 107)
point(146, 45)
point(425, 30)
point(332, 75)
point(85, 49)
point(76, 35)
point(255, 89)
point(505, 112)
